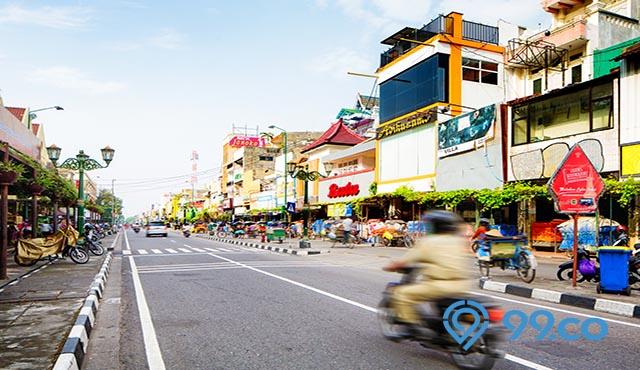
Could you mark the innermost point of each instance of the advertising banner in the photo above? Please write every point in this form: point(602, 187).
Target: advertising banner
point(467, 131)
point(239, 141)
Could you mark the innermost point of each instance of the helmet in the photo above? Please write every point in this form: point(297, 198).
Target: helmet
point(442, 222)
point(484, 222)
point(621, 228)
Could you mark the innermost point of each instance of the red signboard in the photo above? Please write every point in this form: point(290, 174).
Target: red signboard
point(238, 141)
point(350, 189)
point(576, 185)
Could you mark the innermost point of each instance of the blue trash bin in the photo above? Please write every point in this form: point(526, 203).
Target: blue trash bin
point(614, 270)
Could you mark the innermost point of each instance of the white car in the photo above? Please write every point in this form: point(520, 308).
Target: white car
point(156, 228)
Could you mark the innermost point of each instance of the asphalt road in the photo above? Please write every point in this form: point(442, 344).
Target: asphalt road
point(190, 303)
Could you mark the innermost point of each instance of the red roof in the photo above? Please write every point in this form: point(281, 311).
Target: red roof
point(337, 134)
point(18, 112)
point(35, 127)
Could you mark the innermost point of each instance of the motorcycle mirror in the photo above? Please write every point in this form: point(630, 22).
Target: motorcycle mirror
point(636, 246)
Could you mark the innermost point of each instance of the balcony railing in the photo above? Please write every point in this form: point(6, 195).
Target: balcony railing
point(441, 25)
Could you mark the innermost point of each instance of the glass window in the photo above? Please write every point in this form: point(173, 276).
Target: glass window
point(489, 78)
point(579, 112)
point(576, 74)
point(421, 85)
point(537, 86)
point(479, 71)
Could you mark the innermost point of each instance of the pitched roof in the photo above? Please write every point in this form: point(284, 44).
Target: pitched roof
point(337, 134)
point(629, 51)
point(35, 127)
point(18, 112)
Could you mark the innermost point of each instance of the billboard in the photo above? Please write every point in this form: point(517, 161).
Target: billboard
point(467, 131)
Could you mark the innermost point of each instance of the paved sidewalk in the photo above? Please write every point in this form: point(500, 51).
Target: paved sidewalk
point(39, 306)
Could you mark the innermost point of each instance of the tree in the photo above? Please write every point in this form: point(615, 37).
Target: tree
point(107, 201)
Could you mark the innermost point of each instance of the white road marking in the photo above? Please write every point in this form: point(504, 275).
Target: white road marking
point(171, 250)
point(185, 250)
point(211, 249)
point(142, 251)
point(126, 252)
point(152, 348)
point(157, 251)
point(224, 249)
point(360, 305)
point(172, 241)
point(198, 250)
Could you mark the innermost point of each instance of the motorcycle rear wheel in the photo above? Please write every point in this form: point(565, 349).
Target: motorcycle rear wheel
point(96, 248)
point(387, 319)
point(567, 274)
point(78, 255)
point(473, 360)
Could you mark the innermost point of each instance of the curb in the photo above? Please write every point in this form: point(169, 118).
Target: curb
point(263, 246)
point(76, 344)
point(596, 304)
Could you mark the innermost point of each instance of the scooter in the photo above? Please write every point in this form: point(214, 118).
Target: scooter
point(136, 229)
point(465, 353)
point(565, 270)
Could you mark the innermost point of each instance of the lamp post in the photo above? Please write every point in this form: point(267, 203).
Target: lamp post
point(80, 163)
point(33, 116)
point(284, 136)
point(301, 172)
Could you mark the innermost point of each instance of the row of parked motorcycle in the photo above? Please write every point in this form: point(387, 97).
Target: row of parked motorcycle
point(66, 242)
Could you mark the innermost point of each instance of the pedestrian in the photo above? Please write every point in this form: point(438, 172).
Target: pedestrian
point(347, 224)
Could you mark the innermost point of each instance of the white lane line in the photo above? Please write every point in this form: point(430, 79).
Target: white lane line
point(211, 249)
point(185, 250)
point(151, 346)
point(126, 252)
point(172, 241)
point(171, 250)
point(519, 360)
point(156, 251)
point(198, 250)
point(142, 251)
point(559, 310)
point(224, 249)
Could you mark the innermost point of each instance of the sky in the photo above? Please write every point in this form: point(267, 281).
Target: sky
point(157, 80)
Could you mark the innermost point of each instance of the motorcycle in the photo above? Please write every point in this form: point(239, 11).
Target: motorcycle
point(136, 229)
point(186, 233)
point(565, 270)
point(480, 354)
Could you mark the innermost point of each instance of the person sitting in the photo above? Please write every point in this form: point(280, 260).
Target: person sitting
point(484, 254)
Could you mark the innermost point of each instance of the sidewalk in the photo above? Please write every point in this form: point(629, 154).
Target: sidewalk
point(40, 304)
point(543, 288)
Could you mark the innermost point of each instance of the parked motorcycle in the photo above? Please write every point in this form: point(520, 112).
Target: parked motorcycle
point(481, 354)
point(565, 270)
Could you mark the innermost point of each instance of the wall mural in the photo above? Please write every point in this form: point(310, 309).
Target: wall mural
point(542, 163)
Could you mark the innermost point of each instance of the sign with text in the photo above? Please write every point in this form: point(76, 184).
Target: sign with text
point(576, 185)
point(238, 141)
point(466, 132)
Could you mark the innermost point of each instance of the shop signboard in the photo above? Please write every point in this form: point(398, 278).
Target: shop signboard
point(466, 131)
point(240, 141)
point(576, 185)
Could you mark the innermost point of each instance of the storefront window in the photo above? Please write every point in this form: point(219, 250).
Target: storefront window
point(583, 111)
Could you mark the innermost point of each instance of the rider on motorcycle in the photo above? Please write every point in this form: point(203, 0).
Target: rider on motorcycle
point(441, 255)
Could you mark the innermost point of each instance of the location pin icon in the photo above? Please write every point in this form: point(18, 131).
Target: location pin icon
point(468, 332)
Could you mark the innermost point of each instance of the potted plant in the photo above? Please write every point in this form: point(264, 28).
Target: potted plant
point(10, 172)
point(41, 181)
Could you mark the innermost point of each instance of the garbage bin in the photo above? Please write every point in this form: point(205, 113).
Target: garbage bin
point(614, 270)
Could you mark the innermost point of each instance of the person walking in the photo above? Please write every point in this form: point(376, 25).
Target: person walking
point(347, 225)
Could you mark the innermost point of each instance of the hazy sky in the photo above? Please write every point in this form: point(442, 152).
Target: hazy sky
point(157, 80)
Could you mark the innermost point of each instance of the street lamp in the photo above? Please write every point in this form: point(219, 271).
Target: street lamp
point(33, 116)
point(301, 172)
point(80, 163)
point(284, 136)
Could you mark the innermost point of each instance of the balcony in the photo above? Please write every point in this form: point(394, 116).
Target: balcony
point(401, 41)
point(554, 6)
point(570, 36)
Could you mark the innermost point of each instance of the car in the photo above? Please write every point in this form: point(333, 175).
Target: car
point(156, 228)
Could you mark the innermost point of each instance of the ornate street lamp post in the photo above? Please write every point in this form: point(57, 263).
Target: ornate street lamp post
point(300, 172)
point(80, 163)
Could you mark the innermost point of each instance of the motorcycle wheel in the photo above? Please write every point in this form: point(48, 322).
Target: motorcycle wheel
point(96, 248)
point(473, 360)
point(24, 262)
point(567, 274)
point(387, 319)
point(525, 272)
point(78, 255)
